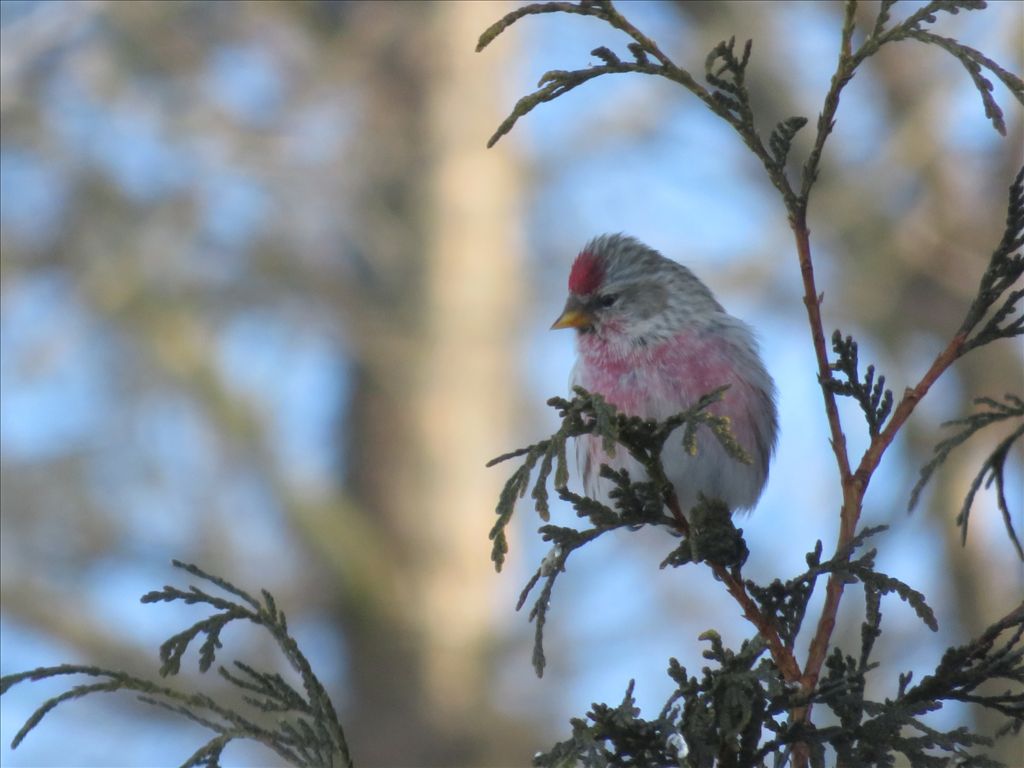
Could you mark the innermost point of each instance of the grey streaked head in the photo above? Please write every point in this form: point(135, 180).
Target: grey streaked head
point(621, 286)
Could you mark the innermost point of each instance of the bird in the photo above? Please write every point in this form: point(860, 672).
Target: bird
point(652, 340)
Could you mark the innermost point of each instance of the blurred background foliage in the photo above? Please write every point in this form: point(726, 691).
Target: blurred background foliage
point(268, 305)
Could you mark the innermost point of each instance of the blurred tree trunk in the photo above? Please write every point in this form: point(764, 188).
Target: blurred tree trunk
point(432, 398)
point(425, 221)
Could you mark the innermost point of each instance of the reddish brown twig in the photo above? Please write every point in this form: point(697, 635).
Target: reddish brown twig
point(854, 483)
point(783, 656)
point(850, 511)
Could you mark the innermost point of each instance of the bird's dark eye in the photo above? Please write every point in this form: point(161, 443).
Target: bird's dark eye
point(607, 300)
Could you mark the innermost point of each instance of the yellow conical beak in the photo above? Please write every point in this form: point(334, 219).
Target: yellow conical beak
point(574, 315)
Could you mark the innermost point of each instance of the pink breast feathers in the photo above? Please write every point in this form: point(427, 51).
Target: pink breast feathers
point(711, 368)
point(668, 378)
point(586, 274)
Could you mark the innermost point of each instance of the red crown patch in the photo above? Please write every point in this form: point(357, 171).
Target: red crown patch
point(586, 274)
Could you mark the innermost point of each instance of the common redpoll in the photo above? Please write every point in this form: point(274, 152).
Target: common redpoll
point(652, 340)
